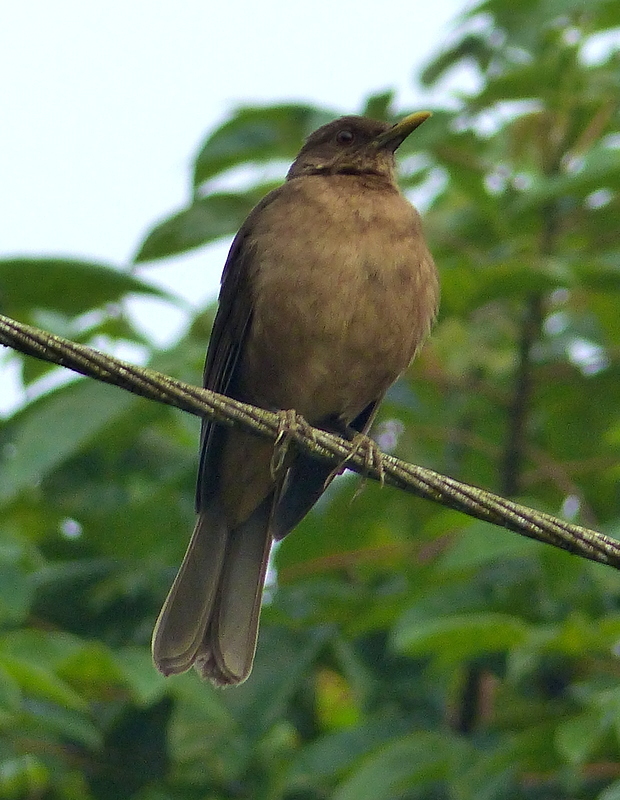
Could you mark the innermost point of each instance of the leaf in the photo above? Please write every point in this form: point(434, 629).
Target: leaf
point(258, 135)
point(282, 662)
point(40, 647)
point(378, 105)
point(109, 325)
point(10, 693)
point(612, 792)
point(93, 670)
point(146, 683)
point(207, 219)
point(335, 701)
point(578, 737)
point(402, 765)
point(521, 23)
point(337, 752)
point(460, 636)
point(64, 285)
point(598, 170)
point(23, 776)
point(68, 723)
point(601, 13)
point(518, 83)
point(578, 633)
point(471, 48)
point(478, 544)
point(465, 288)
point(489, 774)
point(54, 428)
point(38, 681)
point(16, 595)
point(598, 276)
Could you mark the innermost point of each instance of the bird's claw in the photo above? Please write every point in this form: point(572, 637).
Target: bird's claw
point(289, 423)
point(373, 459)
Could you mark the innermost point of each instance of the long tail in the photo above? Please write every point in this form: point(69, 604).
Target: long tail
point(210, 617)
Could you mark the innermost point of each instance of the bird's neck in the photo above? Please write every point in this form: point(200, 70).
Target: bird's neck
point(370, 178)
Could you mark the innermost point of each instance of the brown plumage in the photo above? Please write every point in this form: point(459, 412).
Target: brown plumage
point(326, 295)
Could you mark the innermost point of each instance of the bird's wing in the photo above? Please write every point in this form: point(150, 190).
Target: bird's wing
point(230, 329)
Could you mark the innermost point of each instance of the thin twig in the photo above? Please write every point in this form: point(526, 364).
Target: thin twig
point(417, 480)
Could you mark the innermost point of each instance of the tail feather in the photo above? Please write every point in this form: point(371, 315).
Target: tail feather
point(181, 624)
point(210, 617)
point(226, 653)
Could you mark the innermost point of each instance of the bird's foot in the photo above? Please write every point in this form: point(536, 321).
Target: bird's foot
point(289, 424)
point(373, 459)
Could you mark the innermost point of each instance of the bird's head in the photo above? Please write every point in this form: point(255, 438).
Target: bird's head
point(354, 146)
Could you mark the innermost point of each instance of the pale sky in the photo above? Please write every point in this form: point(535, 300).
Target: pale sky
point(103, 106)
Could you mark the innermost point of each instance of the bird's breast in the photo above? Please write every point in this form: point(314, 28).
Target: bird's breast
point(344, 292)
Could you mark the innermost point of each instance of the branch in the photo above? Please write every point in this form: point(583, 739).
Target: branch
point(325, 446)
point(519, 408)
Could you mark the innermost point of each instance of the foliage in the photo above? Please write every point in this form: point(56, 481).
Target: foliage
point(407, 652)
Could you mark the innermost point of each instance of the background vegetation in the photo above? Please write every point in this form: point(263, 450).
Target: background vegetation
point(408, 652)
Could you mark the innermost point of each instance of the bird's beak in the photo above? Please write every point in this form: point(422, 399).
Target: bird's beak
point(396, 135)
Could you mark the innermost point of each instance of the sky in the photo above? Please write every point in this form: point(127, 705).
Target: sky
point(105, 104)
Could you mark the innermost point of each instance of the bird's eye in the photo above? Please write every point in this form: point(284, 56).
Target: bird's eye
point(344, 137)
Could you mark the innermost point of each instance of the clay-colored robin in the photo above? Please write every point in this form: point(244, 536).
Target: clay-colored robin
point(327, 293)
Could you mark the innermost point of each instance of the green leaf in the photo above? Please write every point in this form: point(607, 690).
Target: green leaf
point(258, 135)
point(56, 427)
point(146, 683)
point(460, 636)
point(337, 752)
point(612, 792)
point(23, 776)
point(16, 595)
point(465, 288)
point(207, 219)
point(92, 669)
point(479, 543)
point(40, 647)
point(489, 773)
point(378, 105)
point(67, 723)
point(579, 633)
point(282, 662)
point(64, 285)
point(578, 737)
point(38, 681)
point(108, 325)
point(599, 170)
point(471, 48)
point(401, 766)
point(10, 693)
point(519, 83)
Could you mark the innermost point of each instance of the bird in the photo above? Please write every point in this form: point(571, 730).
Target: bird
point(327, 293)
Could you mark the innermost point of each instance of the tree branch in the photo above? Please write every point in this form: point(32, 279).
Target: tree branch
point(519, 408)
point(283, 429)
